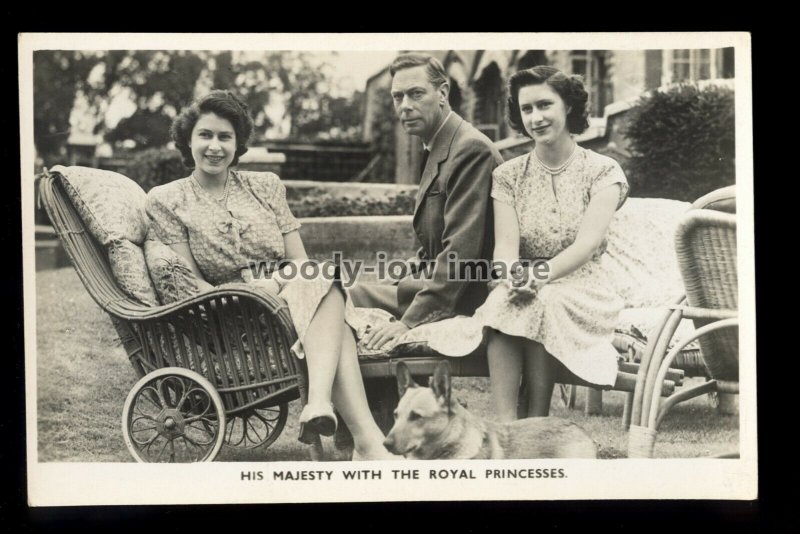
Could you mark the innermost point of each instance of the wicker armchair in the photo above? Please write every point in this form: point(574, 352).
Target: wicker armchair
point(706, 248)
point(215, 368)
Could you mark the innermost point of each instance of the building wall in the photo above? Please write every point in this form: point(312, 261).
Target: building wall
point(458, 71)
point(628, 74)
point(623, 76)
point(653, 69)
point(376, 86)
point(560, 60)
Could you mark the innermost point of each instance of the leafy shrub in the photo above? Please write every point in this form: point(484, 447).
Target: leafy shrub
point(155, 166)
point(682, 142)
point(327, 205)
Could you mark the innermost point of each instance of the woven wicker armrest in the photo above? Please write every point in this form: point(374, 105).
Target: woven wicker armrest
point(691, 312)
point(225, 295)
point(723, 199)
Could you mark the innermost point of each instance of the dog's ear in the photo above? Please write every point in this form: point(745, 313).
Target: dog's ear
point(440, 383)
point(404, 379)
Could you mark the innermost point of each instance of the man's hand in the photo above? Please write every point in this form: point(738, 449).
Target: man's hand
point(377, 337)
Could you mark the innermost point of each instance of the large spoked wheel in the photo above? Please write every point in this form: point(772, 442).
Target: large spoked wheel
point(259, 427)
point(173, 415)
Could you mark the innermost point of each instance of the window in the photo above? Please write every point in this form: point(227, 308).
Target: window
point(591, 64)
point(692, 65)
point(488, 111)
point(580, 60)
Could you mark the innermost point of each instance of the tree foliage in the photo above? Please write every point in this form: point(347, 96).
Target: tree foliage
point(145, 127)
point(169, 74)
point(283, 89)
point(155, 166)
point(57, 76)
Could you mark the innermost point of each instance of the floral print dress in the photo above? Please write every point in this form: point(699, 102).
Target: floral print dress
point(574, 316)
point(226, 239)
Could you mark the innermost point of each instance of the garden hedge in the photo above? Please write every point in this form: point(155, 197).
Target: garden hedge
point(682, 142)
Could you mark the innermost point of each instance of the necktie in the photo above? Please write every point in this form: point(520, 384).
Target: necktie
point(425, 154)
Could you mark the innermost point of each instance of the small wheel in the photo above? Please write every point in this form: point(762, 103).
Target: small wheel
point(713, 399)
point(257, 427)
point(173, 415)
point(724, 403)
point(568, 394)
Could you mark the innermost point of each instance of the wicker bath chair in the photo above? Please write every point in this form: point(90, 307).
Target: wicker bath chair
point(705, 244)
point(215, 368)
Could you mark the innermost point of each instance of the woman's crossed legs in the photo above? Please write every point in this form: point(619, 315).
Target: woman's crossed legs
point(334, 374)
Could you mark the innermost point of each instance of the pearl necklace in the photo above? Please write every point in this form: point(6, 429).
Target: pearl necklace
point(560, 168)
point(226, 190)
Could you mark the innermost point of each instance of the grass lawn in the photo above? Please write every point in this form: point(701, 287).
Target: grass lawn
point(84, 376)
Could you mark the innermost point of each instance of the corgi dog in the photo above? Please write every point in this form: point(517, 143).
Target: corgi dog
point(429, 425)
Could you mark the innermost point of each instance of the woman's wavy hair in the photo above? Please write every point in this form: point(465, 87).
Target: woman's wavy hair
point(223, 103)
point(569, 87)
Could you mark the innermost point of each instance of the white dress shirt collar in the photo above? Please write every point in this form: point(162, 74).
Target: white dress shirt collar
point(429, 146)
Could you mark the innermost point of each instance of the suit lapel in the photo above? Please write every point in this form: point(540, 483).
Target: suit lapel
point(440, 152)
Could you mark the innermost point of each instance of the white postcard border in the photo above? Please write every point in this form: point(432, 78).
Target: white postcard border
point(72, 484)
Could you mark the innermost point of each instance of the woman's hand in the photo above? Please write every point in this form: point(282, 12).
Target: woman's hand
point(524, 285)
point(518, 284)
point(520, 295)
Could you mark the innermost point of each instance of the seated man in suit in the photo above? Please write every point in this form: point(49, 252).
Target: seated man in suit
point(453, 207)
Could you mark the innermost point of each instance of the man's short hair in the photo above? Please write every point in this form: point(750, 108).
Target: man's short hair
point(433, 67)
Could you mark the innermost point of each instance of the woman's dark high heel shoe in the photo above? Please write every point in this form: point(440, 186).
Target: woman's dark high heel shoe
point(316, 420)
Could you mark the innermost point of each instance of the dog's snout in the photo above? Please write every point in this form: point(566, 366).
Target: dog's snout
point(389, 443)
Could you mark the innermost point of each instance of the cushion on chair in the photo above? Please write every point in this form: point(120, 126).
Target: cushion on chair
point(172, 277)
point(130, 271)
point(640, 259)
point(112, 207)
point(459, 334)
point(634, 328)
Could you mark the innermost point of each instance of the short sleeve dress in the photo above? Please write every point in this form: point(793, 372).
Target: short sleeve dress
point(574, 316)
point(227, 240)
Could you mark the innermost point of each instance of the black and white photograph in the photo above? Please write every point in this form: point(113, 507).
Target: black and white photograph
point(387, 267)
